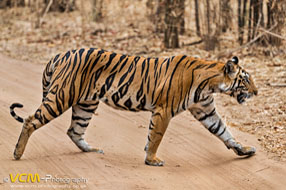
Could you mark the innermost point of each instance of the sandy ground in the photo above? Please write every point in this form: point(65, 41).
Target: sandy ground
point(194, 158)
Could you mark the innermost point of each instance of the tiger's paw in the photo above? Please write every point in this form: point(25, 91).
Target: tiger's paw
point(100, 151)
point(244, 150)
point(90, 149)
point(154, 162)
point(239, 149)
point(17, 154)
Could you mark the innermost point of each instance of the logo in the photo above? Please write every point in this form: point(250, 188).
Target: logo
point(24, 178)
point(30, 180)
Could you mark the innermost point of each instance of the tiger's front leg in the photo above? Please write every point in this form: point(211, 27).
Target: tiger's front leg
point(157, 127)
point(205, 112)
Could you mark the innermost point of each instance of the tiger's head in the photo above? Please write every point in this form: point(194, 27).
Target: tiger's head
point(238, 82)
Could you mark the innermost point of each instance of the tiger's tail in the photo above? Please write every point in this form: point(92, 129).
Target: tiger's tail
point(12, 112)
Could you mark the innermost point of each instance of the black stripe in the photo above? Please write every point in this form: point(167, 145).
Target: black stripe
point(128, 103)
point(50, 110)
point(123, 90)
point(66, 56)
point(117, 64)
point(172, 75)
point(140, 92)
point(130, 67)
point(115, 98)
point(87, 110)
point(211, 127)
point(204, 99)
point(19, 119)
point(38, 116)
point(212, 65)
point(142, 103)
point(45, 119)
point(56, 57)
point(82, 124)
point(222, 132)
point(209, 103)
point(89, 52)
point(218, 127)
point(143, 67)
point(160, 94)
point(123, 64)
point(161, 66)
point(13, 113)
point(172, 107)
point(148, 85)
point(147, 69)
point(109, 80)
point(149, 139)
point(182, 87)
point(167, 66)
point(34, 126)
point(192, 63)
point(54, 90)
point(73, 131)
point(99, 55)
point(59, 107)
point(212, 113)
point(72, 92)
point(155, 66)
point(121, 80)
point(102, 91)
point(192, 81)
point(200, 88)
point(111, 57)
point(74, 117)
point(233, 83)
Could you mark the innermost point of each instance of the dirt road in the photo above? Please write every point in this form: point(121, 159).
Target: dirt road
point(194, 158)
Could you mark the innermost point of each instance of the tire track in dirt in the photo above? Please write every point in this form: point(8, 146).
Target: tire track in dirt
point(194, 158)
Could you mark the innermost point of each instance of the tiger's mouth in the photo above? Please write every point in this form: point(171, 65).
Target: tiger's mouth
point(242, 96)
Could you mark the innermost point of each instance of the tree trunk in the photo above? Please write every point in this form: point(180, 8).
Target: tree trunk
point(182, 16)
point(240, 29)
point(276, 13)
point(159, 16)
point(225, 13)
point(250, 21)
point(241, 20)
point(97, 10)
point(62, 5)
point(198, 29)
point(171, 37)
point(213, 27)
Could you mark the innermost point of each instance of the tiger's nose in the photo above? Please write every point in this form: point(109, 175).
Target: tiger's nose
point(255, 92)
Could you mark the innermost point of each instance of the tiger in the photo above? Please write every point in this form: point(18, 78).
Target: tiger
point(163, 86)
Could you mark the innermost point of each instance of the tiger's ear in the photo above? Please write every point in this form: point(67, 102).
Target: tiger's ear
point(231, 67)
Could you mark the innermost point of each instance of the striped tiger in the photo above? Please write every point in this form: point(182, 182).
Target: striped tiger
point(164, 86)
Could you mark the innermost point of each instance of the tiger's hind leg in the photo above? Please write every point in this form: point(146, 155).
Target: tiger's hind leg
point(81, 115)
point(45, 113)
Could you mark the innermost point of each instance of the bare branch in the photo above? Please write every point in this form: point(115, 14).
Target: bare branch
point(272, 33)
point(226, 53)
point(41, 18)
